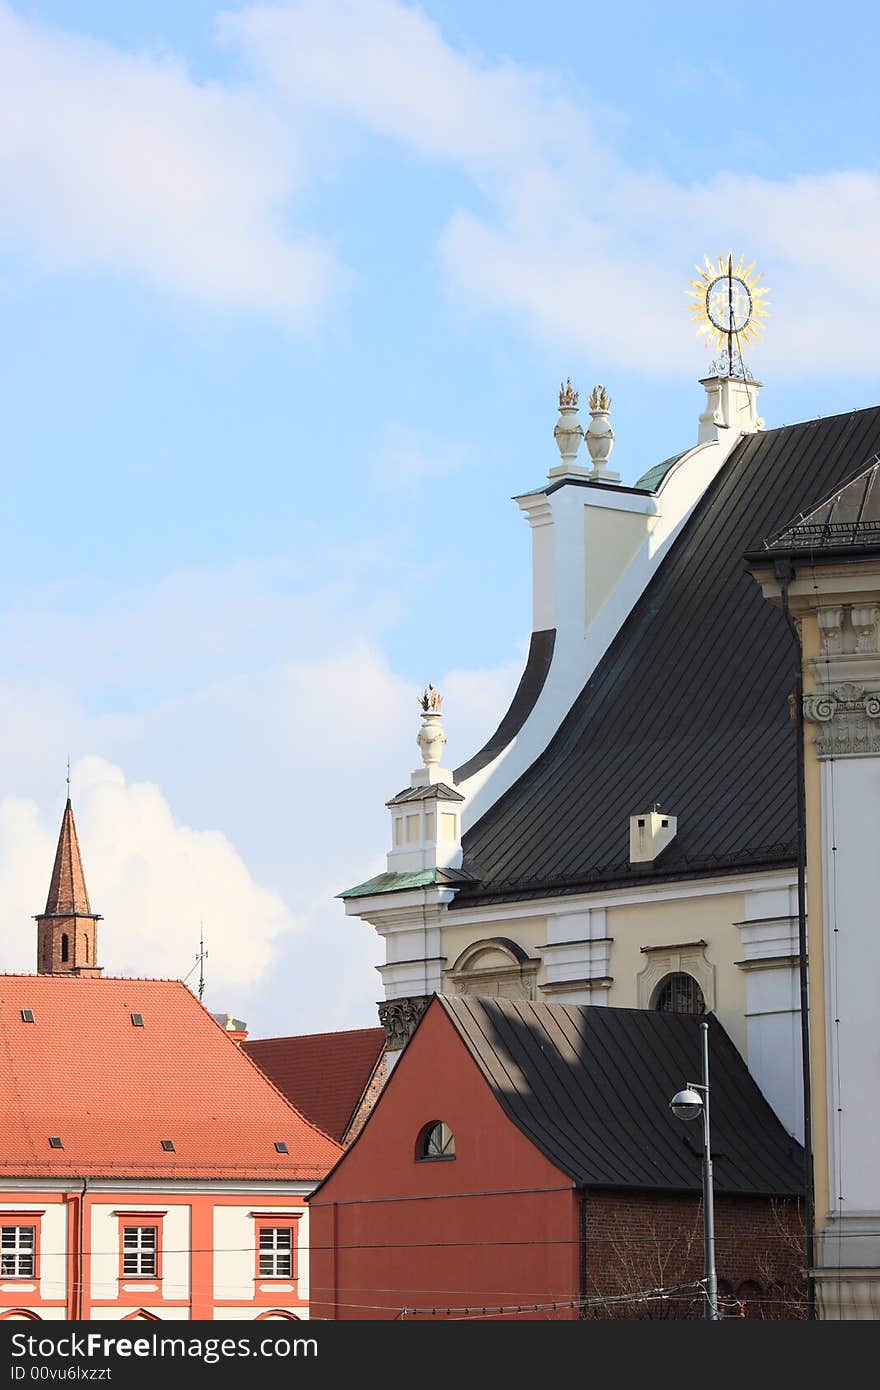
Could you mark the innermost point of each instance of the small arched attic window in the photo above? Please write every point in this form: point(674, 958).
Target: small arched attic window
point(435, 1140)
point(679, 994)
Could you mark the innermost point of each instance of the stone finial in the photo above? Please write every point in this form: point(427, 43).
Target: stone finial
point(600, 436)
point(431, 736)
point(568, 432)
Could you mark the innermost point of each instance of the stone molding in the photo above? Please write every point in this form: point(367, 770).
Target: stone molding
point(685, 959)
point(515, 977)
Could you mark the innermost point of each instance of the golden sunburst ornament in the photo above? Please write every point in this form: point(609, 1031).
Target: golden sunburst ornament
point(729, 304)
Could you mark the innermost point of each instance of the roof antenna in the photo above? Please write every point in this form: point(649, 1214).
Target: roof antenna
point(68, 777)
point(201, 958)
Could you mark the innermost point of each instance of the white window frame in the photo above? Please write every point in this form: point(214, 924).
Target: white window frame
point(143, 1253)
point(275, 1252)
point(22, 1254)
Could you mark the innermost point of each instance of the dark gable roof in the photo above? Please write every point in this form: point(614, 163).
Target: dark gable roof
point(324, 1075)
point(688, 707)
point(590, 1087)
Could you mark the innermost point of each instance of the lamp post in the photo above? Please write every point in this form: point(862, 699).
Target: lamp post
point(687, 1105)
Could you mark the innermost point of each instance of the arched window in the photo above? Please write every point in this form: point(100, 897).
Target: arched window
point(436, 1140)
point(86, 944)
point(751, 1298)
point(679, 994)
point(23, 1313)
point(274, 1313)
point(65, 946)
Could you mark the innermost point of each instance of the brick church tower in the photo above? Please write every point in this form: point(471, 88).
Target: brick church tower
point(67, 931)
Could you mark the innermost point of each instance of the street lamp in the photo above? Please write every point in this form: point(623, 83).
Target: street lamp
point(687, 1105)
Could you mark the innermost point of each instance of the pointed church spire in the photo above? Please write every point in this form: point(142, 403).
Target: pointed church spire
point(67, 932)
point(67, 890)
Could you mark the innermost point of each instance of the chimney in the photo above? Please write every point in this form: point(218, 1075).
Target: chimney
point(235, 1027)
point(649, 834)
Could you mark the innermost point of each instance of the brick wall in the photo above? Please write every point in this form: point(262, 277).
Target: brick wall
point(643, 1241)
point(82, 945)
point(371, 1095)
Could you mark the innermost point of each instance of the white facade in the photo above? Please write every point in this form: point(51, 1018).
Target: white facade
point(207, 1262)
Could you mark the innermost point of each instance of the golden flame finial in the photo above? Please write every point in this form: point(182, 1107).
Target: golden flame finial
point(430, 700)
point(599, 399)
point(567, 394)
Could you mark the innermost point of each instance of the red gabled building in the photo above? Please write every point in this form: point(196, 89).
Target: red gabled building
point(522, 1161)
point(148, 1169)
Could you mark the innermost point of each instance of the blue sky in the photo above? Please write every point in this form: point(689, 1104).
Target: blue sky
point(286, 292)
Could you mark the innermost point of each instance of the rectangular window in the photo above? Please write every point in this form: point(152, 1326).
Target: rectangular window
point(18, 1256)
point(276, 1252)
point(140, 1249)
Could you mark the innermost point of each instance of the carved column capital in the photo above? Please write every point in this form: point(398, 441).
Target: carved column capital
point(848, 718)
point(399, 1018)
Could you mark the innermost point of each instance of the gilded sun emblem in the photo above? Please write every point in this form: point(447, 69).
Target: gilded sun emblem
point(728, 303)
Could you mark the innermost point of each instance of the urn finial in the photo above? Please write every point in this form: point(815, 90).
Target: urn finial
point(431, 736)
point(600, 436)
point(568, 431)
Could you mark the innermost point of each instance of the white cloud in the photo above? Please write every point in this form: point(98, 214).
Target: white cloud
point(248, 797)
point(593, 252)
point(153, 878)
point(124, 162)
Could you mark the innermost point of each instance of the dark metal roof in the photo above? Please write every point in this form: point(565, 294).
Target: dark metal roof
point(530, 686)
point(850, 517)
point(590, 1087)
point(435, 791)
point(688, 707)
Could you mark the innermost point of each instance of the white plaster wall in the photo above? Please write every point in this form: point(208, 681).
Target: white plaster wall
point(250, 1314)
point(53, 1252)
point(580, 644)
point(769, 934)
point(159, 1310)
point(235, 1258)
point(851, 861)
point(105, 1236)
point(44, 1314)
point(234, 1252)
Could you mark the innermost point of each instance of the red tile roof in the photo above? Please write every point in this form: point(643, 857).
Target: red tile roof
point(67, 890)
point(112, 1091)
point(323, 1074)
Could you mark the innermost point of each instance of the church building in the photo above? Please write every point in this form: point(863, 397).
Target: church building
point(631, 833)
